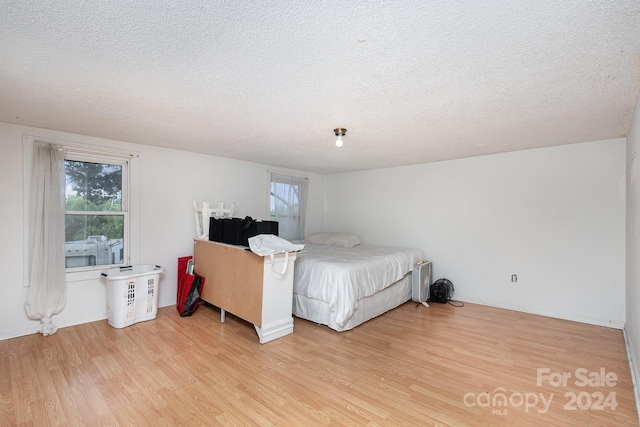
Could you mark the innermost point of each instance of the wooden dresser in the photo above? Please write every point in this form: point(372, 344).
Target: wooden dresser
point(246, 285)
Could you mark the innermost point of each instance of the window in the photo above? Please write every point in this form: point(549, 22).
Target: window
point(97, 209)
point(288, 204)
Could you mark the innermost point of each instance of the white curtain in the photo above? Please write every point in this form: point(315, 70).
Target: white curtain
point(47, 287)
point(289, 204)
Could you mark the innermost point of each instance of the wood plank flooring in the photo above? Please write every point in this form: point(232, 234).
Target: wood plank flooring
point(413, 366)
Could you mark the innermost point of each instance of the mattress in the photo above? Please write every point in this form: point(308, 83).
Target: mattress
point(331, 283)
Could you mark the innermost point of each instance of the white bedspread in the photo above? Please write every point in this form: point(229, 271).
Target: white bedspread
point(342, 276)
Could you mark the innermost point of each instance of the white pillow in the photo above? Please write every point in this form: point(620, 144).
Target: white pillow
point(343, 240)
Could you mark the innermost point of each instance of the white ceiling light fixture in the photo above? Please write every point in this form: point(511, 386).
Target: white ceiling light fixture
point(339, 133)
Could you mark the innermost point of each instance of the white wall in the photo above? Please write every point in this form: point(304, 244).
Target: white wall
point(169, 181)
point(553, 216)
point(632, 326)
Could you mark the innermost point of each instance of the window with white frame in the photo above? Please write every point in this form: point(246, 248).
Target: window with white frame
point(288, 204)
point(97, 217)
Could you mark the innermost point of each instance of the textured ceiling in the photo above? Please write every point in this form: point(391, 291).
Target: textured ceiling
point(268, 81)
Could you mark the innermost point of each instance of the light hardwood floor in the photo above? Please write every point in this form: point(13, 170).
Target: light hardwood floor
point(413, 366)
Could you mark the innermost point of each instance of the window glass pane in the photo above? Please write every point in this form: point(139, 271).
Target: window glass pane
point(93, 186)
point(284, 199)
point(94, 240)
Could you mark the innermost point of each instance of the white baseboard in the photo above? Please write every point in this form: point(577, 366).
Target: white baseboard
point(274, 330)
point(6, 335)
point(633, 367)
point(34, 326)
point(596, 322)
point(166, 302)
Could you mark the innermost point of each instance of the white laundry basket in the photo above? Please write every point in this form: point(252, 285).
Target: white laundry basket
point(132, 294)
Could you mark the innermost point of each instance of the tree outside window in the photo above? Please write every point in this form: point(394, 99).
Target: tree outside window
point(96, 214)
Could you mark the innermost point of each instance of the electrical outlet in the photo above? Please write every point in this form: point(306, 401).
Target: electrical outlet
point(514, 278)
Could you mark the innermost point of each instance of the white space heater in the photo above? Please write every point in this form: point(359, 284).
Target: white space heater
point(421, 280)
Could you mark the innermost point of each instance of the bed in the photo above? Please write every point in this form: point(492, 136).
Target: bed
point(341, 283)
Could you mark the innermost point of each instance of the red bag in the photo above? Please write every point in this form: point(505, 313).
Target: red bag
point(189, 290)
